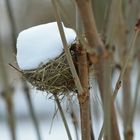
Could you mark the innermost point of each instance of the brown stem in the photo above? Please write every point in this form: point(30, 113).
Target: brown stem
point(7, 96)
point(11, 120)
point(84, 97)
point(95, 42)
point(129, 133)
point(101, 70)
point(127, 105)
point(12, 24)
point(31, 109)
point(85, 9)
point(114, 124)
point(75, 122)
point(63, 116)
point(107, 98)
point(129, 56)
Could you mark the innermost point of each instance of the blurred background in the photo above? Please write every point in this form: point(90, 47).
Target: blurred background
point(15, 16)
point(31, 114)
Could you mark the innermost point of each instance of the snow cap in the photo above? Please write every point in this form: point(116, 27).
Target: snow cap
point(40, 44)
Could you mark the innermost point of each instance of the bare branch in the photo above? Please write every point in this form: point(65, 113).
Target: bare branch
point(89, 23)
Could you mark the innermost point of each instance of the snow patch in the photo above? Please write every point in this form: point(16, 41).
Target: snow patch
point(40, 44)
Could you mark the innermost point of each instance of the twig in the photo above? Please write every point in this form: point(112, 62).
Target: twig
point(15, 68)
point(107, 98)
point(63, 116)
point(12, 23)
point(8, 97)
point(75, 122)
point(89, 23)
point(128, 58)
point(106, 17)
point(64, 12)
point(13, 36)
point(133, 110)
point(85, 112)
point(79, 27)
point(68, 55)
point(31, 109)
point(84, 98)
point(101, 132)
point(78, 31)
point(53, 120)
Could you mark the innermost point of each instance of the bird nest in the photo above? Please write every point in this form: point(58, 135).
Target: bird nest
point(53, 77)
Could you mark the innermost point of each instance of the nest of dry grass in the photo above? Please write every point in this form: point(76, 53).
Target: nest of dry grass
point(53, 77)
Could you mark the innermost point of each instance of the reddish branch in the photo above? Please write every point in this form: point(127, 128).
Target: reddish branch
point(84, 97)
point(96, 43)
point(89, 23)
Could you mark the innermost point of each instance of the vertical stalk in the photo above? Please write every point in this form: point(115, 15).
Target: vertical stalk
point(75, 122)
point(83, 93)
point(128, 131)
point(13, 36)
point(11, 116)
point(134, 105)
point(62, 116)
point(83, 98)
point(31, 109)
point(107, 99)
point(79, 29)
point(126, 62)
point(67, 52)
point(85, 9)
point(12, 23)
point(95, 42)
point(8, 98)
point(7, 92)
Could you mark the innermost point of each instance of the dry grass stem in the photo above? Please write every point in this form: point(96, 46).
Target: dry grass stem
point(68, 55)
point(63, 116)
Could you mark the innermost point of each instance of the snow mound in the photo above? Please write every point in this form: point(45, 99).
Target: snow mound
point(40, 44)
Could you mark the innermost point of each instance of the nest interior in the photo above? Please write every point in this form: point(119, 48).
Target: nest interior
point(53, 77)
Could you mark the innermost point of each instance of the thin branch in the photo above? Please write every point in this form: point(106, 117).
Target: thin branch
point(68, 55)
point(31, 109)
point(64, 13)
point(101, 132)
point(13, 36)
point(12, 24)
point(89, 23)
point(106, 17)
point(8, 97)
point(63, 116)
point(107, 98)
point(128, 58)
point(75, 122)
point(133, 110)
point(79, 27)
point(78, 30)
point(53, 120)
point(84, 98)
point(85, 112)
